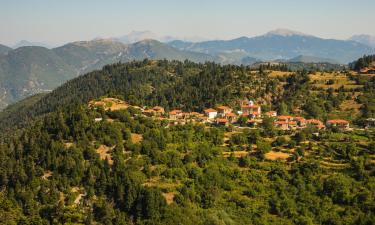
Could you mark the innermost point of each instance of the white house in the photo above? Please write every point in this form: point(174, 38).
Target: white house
point(210, 113)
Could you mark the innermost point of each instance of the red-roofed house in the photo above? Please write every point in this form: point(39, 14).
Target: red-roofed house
point(210, 113)
point(249, 108)
point(271, 114)
point(282, 124)
point(317, 123)
point(284, 118)
point(222, 121)
point(222, 110)
point(158, 110)
point(301, 122)
point(342, 124)
point(176, 114)
point(231, 117)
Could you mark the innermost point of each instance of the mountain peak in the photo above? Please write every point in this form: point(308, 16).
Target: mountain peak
point(285, 33)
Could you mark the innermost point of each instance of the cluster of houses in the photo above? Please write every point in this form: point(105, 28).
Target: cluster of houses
point(224, 115)
point(293, 123)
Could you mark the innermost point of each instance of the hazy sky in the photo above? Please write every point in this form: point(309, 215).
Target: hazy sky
point(60, 21)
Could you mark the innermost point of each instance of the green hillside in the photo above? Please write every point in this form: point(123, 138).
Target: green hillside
point(66, 160)
point(29, 70)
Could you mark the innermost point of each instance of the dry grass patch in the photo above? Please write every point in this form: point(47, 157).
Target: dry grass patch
point(104, 153)
point(237, 154)
point(110, 104)
point(47, 175)
point(169, 196)
point(158, 182)
point(136, 138)
point(272, 155)
point(68, 144)
point(275, 74)
point(79, 196)
point(350, 104)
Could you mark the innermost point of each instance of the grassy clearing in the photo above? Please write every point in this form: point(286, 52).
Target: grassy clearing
point(136, 138)
point(104, 153)
point(272, 155)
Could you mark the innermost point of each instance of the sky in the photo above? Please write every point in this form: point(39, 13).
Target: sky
point(60, 21)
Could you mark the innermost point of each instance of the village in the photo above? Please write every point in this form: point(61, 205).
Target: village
point(249, 115)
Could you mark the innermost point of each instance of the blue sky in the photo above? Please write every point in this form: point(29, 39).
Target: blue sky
point(60, 21)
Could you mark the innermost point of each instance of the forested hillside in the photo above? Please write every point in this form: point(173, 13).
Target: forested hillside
point(29, 70)
point(64, 161)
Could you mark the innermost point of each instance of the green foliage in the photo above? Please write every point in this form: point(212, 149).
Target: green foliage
point(179, 174)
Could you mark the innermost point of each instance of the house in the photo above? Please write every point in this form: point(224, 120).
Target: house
point(222, 110)
point(254, 115)
point(317, 123)
point(301, 122)
point(210, 113)
point(231, 117)
point(158, 110)
point(292, 125)
point(283, 125)
point(249, 108)
point(176, 114)
point(271, 114)
point(222, 122)
point(284, 118)
point(341, 124)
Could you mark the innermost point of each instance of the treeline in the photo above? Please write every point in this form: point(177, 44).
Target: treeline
point(363, 62)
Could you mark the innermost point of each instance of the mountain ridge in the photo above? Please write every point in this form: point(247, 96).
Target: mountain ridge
point(29, 70)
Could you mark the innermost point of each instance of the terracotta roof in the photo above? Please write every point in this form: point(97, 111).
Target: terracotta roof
point(314, 121)
point(255, 113)
point(221, 120)
point(337, 122)
point(283, 117)
point(292, 123)
point(209, 110)
point(230, 115)
point(280, 122)
point(175, 111)
point(270, 113)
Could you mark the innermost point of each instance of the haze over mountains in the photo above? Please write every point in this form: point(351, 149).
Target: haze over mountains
point(28, 70)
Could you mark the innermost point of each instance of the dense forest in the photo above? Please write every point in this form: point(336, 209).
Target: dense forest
point(58, 165)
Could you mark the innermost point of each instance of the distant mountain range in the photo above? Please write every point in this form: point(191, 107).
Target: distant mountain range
point(364, 39)
point(30, 69)
point(136, 36)
point(24, 43)
point(280, 44)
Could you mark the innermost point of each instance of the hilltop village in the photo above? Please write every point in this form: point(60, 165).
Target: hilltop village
point(249, 115)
